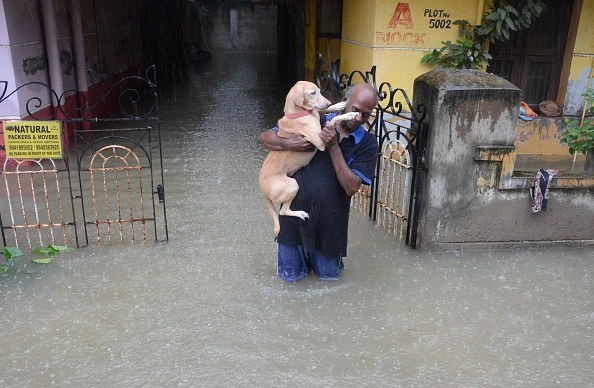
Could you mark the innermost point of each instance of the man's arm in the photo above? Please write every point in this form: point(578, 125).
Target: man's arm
point(274, 142)
point(349, 181)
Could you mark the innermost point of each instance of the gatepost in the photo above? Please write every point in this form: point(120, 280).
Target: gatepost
point(471, 199)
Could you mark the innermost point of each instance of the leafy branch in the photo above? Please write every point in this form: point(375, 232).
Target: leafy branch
point(470, 51)
point(579, 135)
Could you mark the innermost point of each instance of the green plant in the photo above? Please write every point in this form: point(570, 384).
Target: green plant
point(588, 101)
point(9, 254)
point(579, 134)
point(579, 138)
point(470, 51)
point(44, 255)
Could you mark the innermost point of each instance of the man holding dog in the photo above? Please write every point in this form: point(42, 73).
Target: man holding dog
point(326, 185)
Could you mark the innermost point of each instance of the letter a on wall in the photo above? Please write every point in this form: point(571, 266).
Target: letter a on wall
point(401, 16)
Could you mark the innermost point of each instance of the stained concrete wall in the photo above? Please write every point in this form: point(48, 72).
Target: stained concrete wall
point(465, 203)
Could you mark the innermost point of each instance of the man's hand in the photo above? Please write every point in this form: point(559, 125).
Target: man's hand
point(328, 136)
point(274, 142)
point(347, 178)
point(297, 143)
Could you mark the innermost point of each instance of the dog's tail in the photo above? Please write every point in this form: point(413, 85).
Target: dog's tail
point(274, 215)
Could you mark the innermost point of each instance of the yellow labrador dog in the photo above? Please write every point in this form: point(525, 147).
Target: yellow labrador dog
point(302, 106)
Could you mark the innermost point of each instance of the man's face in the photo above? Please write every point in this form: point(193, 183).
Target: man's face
point(363, 102)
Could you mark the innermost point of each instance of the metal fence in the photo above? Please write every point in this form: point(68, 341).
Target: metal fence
point(107, 187)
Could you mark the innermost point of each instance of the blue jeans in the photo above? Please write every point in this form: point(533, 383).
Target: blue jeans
point(293, 264)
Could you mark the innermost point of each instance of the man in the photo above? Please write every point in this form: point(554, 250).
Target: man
point(326, 185)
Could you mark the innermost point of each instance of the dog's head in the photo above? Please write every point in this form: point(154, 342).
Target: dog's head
point(306, 95)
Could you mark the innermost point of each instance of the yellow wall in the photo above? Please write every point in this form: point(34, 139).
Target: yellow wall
point(355, 57)
point(539, 136)
point(330, 48)
point(584, 42)
point(358, 16)
point(356, 49)
point(394, 35)
point(582, 61)
point(378, 32)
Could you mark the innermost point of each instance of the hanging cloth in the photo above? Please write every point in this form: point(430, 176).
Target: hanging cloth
point(540, 191)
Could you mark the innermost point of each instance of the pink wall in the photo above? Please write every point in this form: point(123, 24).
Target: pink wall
point(10, 106)
point(112, 44)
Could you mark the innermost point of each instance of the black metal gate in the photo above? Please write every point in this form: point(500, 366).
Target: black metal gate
point(394, 198)
point(107, 187)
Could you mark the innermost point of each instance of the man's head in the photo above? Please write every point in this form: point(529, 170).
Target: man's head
point(361, 98)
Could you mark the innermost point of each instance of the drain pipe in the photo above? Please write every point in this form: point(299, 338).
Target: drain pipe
point(50, 30)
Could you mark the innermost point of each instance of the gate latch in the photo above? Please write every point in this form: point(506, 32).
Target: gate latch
point(161, 193)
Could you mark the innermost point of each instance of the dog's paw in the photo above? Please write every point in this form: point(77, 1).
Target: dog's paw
point(344, 117)
point(336, 107)
point(294, 213)
point(301, 214)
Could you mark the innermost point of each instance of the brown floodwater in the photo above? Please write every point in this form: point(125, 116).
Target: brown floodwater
point(206, 307)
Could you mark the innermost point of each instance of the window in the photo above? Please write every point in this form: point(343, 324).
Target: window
point(532, 58)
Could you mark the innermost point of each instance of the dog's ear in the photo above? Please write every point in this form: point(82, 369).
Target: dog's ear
point(303, 94)
point(296, 95)
point(308, 95)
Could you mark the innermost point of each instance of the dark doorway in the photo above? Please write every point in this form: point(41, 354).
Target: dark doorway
point(178, 33)
point(163, 32)
point(291, 41)
point(532, 58)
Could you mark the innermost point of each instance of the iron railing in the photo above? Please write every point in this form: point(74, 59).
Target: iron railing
point(112, 136)
point(395, 193)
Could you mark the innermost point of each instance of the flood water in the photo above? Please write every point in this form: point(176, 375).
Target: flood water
point(206, 308)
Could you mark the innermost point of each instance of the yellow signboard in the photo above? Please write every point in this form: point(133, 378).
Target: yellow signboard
point(33, 139)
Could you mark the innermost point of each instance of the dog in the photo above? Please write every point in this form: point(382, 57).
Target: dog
point(303, 105)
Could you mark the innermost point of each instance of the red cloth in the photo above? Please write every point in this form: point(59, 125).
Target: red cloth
point(527, 111)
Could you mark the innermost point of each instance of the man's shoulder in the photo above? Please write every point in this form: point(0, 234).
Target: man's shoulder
point(369, 139)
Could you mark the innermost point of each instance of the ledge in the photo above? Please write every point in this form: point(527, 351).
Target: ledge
point(492, 153)
point(515, 183)
point(505, 155)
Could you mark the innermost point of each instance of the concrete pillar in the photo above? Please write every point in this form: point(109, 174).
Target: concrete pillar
point(10, 107)
point(465, 109)
point(50, 29)
point(472, 199)
point(79, 47)
point(80, 66)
